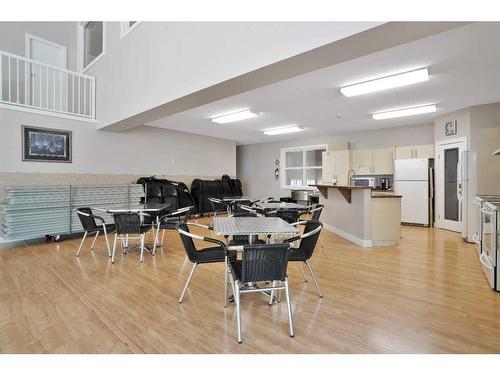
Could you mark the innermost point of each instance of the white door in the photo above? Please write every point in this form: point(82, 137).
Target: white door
point(43, 80)
point(449, 186)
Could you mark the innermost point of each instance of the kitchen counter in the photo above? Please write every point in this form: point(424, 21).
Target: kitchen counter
point(357, 214)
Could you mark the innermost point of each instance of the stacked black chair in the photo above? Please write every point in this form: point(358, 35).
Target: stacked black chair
point(260, 263)
point(130, 225)
point(90, 226)
point(306, 248)
point(207, 255)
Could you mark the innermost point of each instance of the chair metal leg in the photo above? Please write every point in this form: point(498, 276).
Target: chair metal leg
point(81, 244)
point(162, 237)
point(225, 282)
point(141, 259)
point(271, 297)
point(114, 249)
point(289, 306)
point(107, 240)
point(155, 239)
point(126, 241)
point(95, 239)
point(187, 282)
point(314, 279)
point(238, 310)
point(302, 271)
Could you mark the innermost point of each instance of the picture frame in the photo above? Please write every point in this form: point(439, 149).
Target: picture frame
point(46, 145)
point(451, 128)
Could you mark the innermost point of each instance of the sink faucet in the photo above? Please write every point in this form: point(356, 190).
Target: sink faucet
point(349, 178)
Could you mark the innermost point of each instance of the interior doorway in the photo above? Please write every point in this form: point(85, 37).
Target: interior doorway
point(450, 184)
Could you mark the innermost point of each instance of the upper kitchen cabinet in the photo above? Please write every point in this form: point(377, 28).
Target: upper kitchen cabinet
point(383, 161)
point(377, 161)
point(362, 161)
point(415, 152)
point(336, 164)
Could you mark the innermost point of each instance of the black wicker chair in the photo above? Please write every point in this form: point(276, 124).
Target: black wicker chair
point(90, 226)
point(170, 221)
point(130, 225)
point(290, 215)
point(260, 263)
point(316, 212)
point(306, 247)
point(213, 254)
point(218, 205)
point(237, 206)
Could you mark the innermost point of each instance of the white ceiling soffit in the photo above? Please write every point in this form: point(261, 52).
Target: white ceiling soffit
point(464, 70)
point(363, 43)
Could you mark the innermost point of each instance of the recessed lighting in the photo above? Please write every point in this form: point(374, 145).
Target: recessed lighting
point(396, 80)
point(283, 130)
point(402, 112)
point(235, 116)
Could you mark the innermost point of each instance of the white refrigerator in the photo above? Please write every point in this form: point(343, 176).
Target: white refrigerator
point(411, 181)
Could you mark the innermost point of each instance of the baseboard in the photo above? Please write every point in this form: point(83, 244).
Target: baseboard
point(348, 236)
point(384, 243)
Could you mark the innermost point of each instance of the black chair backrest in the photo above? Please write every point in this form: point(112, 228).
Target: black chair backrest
point(127, 222)
point(317, 213)
point(290, 215)
point(264, 262)
point(188, 243)
point(88, 222)
point(237, 206)
point(308, 244)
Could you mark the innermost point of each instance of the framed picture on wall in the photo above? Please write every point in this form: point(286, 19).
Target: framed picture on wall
point(44, 144)
point(451, 128)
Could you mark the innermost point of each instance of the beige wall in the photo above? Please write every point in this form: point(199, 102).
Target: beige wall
point(141, 151)
point(485, 138)
point(463, 118)
point(255, 163)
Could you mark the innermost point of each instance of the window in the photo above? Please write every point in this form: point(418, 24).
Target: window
point(128, 26)
point(301, 166)
point(91, 43)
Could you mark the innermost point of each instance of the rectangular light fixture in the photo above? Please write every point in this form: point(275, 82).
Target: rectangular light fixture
point(404, 112)
point(283, 130)
point(396, 80)
point(235, 116)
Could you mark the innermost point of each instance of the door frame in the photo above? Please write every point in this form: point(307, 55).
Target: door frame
point(27, 41)
point(440, 222)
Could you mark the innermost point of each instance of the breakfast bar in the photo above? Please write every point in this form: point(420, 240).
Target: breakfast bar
point(361, 215)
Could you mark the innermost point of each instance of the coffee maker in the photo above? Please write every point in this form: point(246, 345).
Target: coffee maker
point(384, 183)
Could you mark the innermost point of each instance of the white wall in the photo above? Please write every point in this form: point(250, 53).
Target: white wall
point(255, 163)
point(161, 61)
point(12, 36)
point(143, 150)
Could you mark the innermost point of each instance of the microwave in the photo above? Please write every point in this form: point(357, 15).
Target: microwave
point(364, 181)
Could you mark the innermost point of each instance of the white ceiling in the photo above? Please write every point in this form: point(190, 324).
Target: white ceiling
point(464, 69)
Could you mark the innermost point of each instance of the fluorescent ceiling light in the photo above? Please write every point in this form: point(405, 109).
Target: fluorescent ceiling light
point(235, 116)
point(385, 83)
point(283, 130)
point(404, 112)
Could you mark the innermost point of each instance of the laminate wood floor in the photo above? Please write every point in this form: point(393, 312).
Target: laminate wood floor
point(426, 295)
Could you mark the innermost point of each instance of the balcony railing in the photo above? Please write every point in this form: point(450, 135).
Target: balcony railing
point(34, 86)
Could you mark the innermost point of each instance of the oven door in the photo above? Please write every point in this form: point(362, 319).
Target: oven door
point(488, 255)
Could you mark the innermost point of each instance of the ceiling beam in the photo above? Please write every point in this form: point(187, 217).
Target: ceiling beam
point(373, 40)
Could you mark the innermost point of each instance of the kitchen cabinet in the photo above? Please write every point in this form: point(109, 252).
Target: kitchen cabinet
point(415, 152)
point(383, 161)
point(362, 161)
point(376, 161)
point(336, 163)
